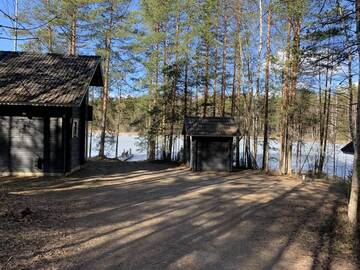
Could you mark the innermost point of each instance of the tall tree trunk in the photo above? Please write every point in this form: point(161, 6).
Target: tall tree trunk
point(117, 140)
point(73, 29)
point(294, 69)
point(165, 95)
point(335, 121)
point(106, 88)
point(206, 92)
point(285, 103)
point(174, 86)
point(233, 92)
point(257, 95)
point(351, 98)
point(238, 64)
point(350, 89)
point(197, 95)
point(118, 124)
point(216, 59)
point(265, 163)
point(186, 83)
point(185, 143)
point(91, 123)
point(154, 92)
point(325, 123)
point(50, 38)
point(354, 193)
point(235, 95)
point(224, 56)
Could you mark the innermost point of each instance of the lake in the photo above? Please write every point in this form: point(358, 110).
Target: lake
point(310, 150)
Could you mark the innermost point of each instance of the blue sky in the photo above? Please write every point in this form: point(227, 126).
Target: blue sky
point(8, 7)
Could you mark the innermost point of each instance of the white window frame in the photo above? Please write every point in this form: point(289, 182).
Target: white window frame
point(75, 128)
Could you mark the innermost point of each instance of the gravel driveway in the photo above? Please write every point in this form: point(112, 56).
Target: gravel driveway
point(158, 216)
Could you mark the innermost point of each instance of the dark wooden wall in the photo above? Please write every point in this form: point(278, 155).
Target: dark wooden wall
point(54, 161)
point(39, 139)
point(22, 144)
point(211, 153)
point(78, 144)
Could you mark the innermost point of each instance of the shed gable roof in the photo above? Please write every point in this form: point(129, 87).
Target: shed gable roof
point(47, 79)
point(210, 126)
point(348, 149)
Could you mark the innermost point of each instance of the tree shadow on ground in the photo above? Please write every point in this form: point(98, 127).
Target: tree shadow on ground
point(157, 216)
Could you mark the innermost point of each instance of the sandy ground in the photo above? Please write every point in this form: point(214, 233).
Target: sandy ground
point(114, 215)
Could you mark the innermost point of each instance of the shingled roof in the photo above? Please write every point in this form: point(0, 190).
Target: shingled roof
point(210, 126)
point(47, 79)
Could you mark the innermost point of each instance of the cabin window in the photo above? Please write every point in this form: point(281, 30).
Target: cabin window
point(75, 128)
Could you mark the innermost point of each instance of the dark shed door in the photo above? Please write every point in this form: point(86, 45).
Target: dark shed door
point(215, 154)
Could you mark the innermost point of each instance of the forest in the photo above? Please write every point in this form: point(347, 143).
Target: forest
point(282, 69)
point(285, 70)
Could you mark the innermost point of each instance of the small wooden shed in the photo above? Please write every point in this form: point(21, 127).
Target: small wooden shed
point(209, 143)
point(44, 111)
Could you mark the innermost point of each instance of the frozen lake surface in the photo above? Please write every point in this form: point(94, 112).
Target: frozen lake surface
point(126, 142)
point(310, 152)
point(336, 162)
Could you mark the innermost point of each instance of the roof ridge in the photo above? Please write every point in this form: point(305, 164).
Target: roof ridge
point(52, 54)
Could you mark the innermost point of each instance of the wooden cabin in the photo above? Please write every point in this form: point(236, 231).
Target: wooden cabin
point(44, 111)
point(209, 143)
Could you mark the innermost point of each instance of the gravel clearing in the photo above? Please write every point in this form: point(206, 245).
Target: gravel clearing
point(139, 215)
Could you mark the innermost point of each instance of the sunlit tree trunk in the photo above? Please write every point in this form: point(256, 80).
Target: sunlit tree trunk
point(73, 29)
point(224, 59)
point(238, 74)
point(351, 100)
point(50, 30)
point(216, 59)
point(284, 110)
point(294, 70)
point(174, 86)
point(325, 122)
point(165, 95)
point(350, 82)
point(206, 90)
point(257, 94)
point(106, 88)
point(91, 124)
point(265, 163)
point(354, 193)
point(154, 92)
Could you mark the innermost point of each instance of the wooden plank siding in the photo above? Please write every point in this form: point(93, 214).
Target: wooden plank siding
point(212, 153)
point(39, 140)
point(22, 139)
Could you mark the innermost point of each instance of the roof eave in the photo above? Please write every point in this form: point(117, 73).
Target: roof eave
point(212, 135)
point(37, 104)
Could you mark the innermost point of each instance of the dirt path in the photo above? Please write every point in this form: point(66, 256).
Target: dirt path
point(154, 216)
